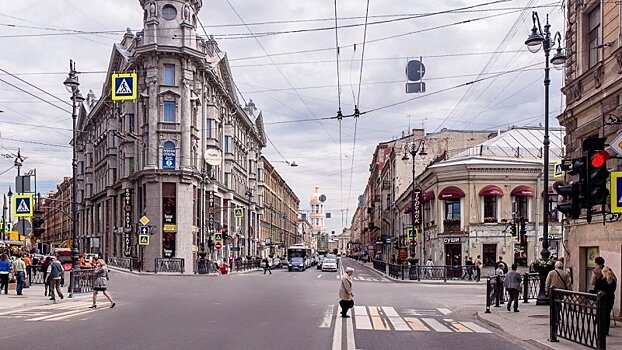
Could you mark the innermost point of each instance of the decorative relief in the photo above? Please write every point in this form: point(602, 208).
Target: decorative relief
point(599, 73)
point(619, 60)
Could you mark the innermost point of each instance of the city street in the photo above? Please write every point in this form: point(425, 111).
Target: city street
point(285, 310)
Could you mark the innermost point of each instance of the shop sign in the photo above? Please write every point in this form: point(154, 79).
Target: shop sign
point(416, 206)
point(127, 221)
point(451, 240)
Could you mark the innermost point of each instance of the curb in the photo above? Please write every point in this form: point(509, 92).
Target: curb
point(43, 303)
point(530, 341)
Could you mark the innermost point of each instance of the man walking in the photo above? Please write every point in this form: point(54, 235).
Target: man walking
point(512, 285)
point(478, 268)
point(266, 266)
point(55, 273)
point(345, 293)
point(19, 269)
point(558, 279)
point(504, 267)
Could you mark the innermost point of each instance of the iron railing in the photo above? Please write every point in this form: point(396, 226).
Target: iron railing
point(169, 265)
point(496, 294)
point(122, 263)
point(578, 317)
point(246, 265)
point(81, 281)
point(36, 276)
point(380, 265)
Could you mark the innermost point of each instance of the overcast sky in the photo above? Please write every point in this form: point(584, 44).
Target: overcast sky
point(283, 57)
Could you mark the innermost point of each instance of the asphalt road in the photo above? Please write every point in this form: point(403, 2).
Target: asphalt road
point(285, 310)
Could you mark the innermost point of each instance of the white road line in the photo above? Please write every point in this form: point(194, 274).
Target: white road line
point(328, 317)
point(457, 326)
point(320, 275)
point(361, 318)
point(416, 324)
point(395, 319)
point(71, 312)
point(444, 311)
point(44, 307)
point(337, 334)
point(350, 335)
point(64, 317)
point(437, 326)
point(475, 328)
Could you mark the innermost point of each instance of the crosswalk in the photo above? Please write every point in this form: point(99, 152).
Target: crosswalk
point(54, 312)
point(387, 318)
point(362, 278)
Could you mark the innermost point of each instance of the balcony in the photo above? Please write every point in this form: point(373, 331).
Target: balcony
point(451, 225)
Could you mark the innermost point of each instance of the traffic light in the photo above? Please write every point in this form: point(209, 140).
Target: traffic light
point(37, 224)
point(571, 193)
point(597, 175)
point(513, 229)
point(225, 232)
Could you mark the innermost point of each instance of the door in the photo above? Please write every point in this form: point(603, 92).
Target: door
point(453, 259)
point(489, 254)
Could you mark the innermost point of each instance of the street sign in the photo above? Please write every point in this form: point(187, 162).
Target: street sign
point(558, 170)
point(238, 212)
point(124, 86)
point(616, 144)
point(143, 239)
point(218, 245)
point(23, 205)
point(616, 191)
point(169, 228)
point(144, 220)
point(143, 230)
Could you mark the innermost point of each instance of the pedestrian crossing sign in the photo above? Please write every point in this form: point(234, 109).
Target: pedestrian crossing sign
point(143, 239)
point(23, 205)
point(616, 191)
point(238, 212)
point(124, 86)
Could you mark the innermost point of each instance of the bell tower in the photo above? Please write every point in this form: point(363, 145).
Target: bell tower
point(170, 22)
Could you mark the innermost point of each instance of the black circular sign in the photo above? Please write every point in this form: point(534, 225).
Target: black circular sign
point(415, 70)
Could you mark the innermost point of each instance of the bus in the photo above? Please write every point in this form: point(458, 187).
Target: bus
point(300, 251)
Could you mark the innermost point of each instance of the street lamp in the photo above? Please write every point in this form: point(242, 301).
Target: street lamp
point(536, 39)
point(72, 84)
point(10, 194)
point(413, 150)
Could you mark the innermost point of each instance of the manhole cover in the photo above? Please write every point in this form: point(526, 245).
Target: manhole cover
point(538, 316)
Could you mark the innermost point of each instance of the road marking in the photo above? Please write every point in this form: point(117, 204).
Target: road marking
point(64, 317)
point(71, 313)
point(328, 317)
point(416, 324)
point(320, 275)
point(376, 320)
point(337, 334)
point(444, 311)
point(350, 335)
point(437, 326)
point(395, 319)
point(361, 318)
point(457, 326)
point(476, 328)
point(413, 312)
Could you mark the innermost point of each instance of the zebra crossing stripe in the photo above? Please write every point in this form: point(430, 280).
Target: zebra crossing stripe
point(395, 319)
point(416, 324)
point(444, 311)
point(475, 327)
point(437, 326)
point(361, 318)
point(457, 326)
point(376, 320)
point(64, 317)
point(328, 317)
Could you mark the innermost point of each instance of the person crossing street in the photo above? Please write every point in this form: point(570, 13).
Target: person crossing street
point(345, 292)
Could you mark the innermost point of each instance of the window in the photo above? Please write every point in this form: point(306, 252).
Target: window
point(169, 12)
point(452, 210)
point(490, 209)
point(169, 74)
point(132, 122)
point(427, 212)
point(594, 37)
point(170, 111)
point(227, 140)
point(208, 128)
point(131, 165)
point(521, 207)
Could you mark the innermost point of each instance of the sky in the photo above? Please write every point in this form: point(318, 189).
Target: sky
point(478, 75)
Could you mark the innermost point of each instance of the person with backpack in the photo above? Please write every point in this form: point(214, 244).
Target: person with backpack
point(55, 273)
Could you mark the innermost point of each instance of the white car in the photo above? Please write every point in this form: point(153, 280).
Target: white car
point(329, 265)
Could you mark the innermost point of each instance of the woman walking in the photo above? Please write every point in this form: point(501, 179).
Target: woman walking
point(5, 268)
point(101, 278)
point(607, 284)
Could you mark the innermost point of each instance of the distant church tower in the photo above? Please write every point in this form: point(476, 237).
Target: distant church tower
point(317, 214)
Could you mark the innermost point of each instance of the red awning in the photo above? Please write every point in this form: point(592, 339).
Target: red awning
point(451, 192)
point(427, 196)
point(522, 191)
point(491, 190)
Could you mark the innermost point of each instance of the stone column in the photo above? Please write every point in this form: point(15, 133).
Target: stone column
point(186, 116)
point(183, 239)
point(153, 117)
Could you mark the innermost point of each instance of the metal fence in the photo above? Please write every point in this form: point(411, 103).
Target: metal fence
point(36, 276)
point(496, 293)
point(169, 265)
point(444, 273)
point(380, 265)
point(246, 265)
point(123, 263)
point(81, 281)
point(578, 317)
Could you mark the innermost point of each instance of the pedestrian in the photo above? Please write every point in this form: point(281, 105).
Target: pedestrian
point(100, 283)
point(44, 269)
point(468, 272)
point(28, 262)
point(597, 273)
point(512, 285)
point(5, 268)
point(266, 266)
point(478, 268)
point(429, 265)
point(505, 266)
point(54, 275)
point(19, 270)
point(345, 293)
point(558, 279)
point(607, 285)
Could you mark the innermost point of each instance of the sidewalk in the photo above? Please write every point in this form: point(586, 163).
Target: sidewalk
point(185, 274)
point(531, 325)
point(33, 296)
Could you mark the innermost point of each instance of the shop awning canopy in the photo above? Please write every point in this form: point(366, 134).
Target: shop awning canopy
point(491, 190)
point(451, 192)
point(427, 196)
point(523, 191)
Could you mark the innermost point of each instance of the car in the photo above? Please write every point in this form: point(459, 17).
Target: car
point(329, 265)
point(296, 263)
point(276, 263)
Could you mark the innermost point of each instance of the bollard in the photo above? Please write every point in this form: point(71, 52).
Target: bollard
point(525, 288)
point(553, 315)
point(488, 291)
point(497, 289)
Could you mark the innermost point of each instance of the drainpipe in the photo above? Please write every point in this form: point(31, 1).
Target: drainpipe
point(537, 221)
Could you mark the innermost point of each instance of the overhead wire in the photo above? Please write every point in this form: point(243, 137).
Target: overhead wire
point(33, 95)
point(339, 110)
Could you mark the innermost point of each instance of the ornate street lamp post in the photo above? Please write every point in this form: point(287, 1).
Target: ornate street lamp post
point(72, 84)
point(413, 149)
point(539, 38)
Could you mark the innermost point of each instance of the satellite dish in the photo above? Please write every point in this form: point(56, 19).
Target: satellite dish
point(212, 156)
point(322, 198)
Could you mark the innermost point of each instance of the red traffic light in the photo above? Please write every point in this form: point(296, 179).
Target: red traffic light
point(599, 159)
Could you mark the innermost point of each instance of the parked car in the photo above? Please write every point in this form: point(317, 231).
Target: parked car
point(329, 265)
point(296, 264)
point(276, 263)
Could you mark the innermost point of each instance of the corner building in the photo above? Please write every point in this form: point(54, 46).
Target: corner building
point(146, 157)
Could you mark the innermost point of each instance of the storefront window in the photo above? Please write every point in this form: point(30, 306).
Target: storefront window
point(490, 209)
point(521, 207)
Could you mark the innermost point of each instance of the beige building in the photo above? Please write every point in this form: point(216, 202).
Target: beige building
point(57, 217)
point(593, 90)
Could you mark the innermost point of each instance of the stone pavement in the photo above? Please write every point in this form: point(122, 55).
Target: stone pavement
point(531, 325)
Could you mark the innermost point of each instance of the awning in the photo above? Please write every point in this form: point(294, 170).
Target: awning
point(451, 192)
point(427, 196)
point(522, 191)
point(491, 190)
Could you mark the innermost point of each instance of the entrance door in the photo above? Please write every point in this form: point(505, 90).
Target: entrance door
point(453, 259)
point(489, 254)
